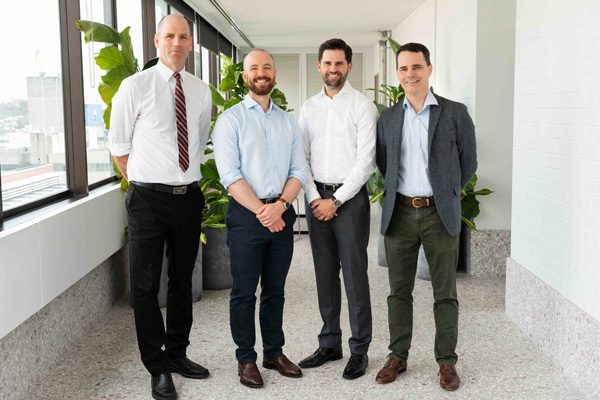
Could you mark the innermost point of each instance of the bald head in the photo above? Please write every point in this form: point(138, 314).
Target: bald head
point(256, 55)
point(172, 19)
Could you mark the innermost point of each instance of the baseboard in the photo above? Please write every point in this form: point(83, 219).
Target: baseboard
point(568, 335)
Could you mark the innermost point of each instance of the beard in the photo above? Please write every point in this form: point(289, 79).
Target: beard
point(334, 81)
point(263, 89)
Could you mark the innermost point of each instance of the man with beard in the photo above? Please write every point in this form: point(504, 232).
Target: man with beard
point(339, 144)
point(258, 150)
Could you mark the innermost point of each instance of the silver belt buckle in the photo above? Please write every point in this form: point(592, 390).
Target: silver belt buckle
point(180, 189)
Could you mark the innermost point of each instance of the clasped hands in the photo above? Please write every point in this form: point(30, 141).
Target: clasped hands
point(269, 216)
point(323, 209)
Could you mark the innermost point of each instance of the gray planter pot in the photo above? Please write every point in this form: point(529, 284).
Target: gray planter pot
point(216, 270)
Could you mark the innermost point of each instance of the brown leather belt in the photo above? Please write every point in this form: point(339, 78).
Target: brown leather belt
point(416, 202)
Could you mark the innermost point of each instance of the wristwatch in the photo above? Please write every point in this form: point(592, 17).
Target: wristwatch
point(336, 202)
point(286, 204)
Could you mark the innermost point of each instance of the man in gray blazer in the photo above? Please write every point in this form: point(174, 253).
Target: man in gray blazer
point(426, 152)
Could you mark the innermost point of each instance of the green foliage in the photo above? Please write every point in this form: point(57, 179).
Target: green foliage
point(117, 60)
point(469, 203)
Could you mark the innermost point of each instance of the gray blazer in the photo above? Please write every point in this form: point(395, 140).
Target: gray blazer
point(452, 158)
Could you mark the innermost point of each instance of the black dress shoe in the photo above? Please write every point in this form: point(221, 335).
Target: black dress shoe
point(162, 387)
point(320, 357)
point(187, 368)
point(357, 365)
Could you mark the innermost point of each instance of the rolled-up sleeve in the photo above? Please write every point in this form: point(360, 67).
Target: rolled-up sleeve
point(125, 109)
point(227, 152)
point(297, 160)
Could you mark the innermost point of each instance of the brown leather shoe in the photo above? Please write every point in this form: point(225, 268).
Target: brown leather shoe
point(250, 375)
point(449, 379)
point(283, 365)
point(393, 367)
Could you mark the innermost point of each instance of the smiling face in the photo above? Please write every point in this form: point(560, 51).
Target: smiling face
point(334, 68)
point(413, 73)
point(173, 41)
point(259, 72)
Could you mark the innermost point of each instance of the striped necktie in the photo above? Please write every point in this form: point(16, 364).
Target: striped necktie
point(182, 134)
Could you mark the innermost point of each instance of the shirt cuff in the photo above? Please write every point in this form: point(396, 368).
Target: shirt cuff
point(231, 178)
point(312, 193)
point(119, 149)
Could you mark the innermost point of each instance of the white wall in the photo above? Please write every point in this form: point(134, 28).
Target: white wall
point(43, 257)
point(470, 42)
point(494, 103)
point(556, 175)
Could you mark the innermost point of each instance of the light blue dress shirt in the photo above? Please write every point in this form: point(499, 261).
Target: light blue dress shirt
point(413, 177)
point(264, 148)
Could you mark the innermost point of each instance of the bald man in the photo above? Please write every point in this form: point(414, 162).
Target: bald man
point(158, 130)
point(258, 150)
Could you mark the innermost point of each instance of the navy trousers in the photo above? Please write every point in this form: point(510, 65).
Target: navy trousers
point(257, 254)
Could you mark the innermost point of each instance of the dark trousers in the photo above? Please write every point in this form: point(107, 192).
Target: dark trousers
point(409, 228)
point(342, 243)
point(155, 218)
point(255, 254)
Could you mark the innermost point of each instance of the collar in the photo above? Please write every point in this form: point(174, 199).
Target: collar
point(167, 73)
point(430, 100)
point(249, 103)
point(346, 89)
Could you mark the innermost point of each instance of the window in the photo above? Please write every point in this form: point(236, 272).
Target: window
point(129, 13)
point(99, 164)
point(32, 138)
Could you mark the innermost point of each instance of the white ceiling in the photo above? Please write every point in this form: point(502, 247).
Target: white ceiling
point(306, 23)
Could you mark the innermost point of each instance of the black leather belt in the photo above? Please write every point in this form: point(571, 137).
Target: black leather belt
point(416, 202)
point(328, 186)
point(159, 187)
point(269, 200)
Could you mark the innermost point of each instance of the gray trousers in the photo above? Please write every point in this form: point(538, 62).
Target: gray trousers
point(342, 243)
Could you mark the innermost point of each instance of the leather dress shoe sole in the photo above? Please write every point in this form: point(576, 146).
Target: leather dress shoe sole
point(250, 384)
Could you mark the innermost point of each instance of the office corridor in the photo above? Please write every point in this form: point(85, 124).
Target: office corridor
point(496, 361)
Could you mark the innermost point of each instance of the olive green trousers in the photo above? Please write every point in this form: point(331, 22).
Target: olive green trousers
point(409, 228)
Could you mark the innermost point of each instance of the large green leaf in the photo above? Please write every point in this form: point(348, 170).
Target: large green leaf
point(97, 32)
point(115, 76)
point(394, 45)
point(106, 116)
point(110, 57)
point(151, 63)
point(106, 92)
point(470, 207)
point(209, 170)
point(127, 49)
point(217, 99)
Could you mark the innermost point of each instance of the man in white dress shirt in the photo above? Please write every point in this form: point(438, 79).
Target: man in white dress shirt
point(159, 127)
point(339, 126)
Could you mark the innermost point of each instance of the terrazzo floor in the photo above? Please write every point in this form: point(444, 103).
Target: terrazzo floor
point(496, 361)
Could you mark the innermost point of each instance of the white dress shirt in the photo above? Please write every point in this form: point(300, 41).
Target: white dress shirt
point(339, 141)
point(143, 125)
point(413, 176)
